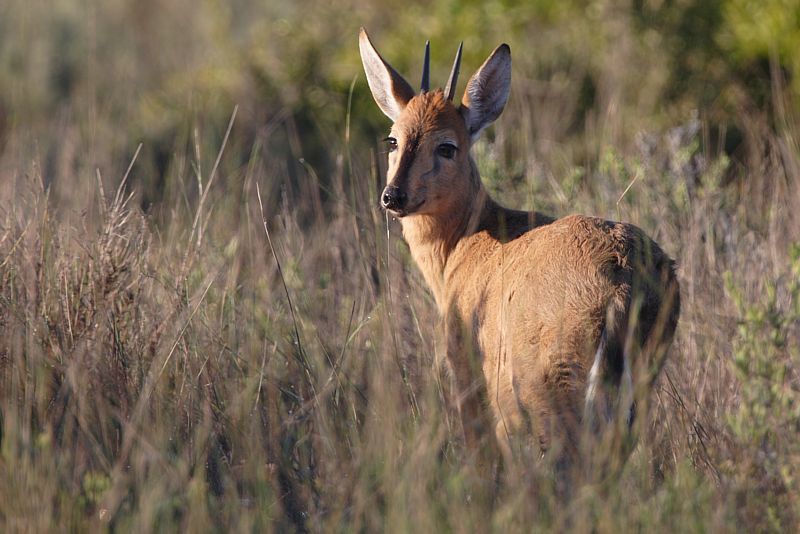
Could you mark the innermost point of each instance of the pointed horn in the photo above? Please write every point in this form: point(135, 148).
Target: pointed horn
point(450, 88)
point(425, 86)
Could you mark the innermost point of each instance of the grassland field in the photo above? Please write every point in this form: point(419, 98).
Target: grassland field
point(208, 324)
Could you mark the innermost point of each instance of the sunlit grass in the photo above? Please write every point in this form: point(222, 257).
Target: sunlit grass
point(245, 344)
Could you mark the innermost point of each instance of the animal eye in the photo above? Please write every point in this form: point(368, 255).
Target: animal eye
point(446, 150)
point(391, 144)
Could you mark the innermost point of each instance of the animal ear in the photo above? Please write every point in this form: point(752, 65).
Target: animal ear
point(487, 91)
point(390, 91)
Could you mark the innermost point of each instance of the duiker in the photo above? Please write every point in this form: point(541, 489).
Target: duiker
point(554, 328)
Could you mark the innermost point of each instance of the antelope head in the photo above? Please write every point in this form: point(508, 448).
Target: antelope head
point(430, 170)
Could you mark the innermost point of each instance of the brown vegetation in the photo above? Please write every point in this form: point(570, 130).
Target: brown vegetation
point(168, 360)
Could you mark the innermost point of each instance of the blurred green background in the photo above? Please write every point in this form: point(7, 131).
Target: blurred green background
point(159, 370)
point(83, 82)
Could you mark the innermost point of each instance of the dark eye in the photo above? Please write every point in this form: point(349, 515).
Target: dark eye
point(446, 150)
point(391, 144)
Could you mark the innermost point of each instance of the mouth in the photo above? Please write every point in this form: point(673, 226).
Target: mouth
point(406, 211)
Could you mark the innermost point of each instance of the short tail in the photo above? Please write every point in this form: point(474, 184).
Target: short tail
point(611, 366)
point(593, 383)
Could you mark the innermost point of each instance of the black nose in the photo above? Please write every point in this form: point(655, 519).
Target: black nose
point(393, 198)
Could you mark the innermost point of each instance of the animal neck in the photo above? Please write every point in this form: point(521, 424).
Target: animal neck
point(432, 237)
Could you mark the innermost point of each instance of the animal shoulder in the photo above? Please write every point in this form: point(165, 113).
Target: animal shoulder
point(573, 235)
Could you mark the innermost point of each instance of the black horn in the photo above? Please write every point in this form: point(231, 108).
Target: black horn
point(425, 86)
point(450, 88)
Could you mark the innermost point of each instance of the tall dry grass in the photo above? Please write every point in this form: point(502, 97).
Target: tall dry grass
point(245, 344)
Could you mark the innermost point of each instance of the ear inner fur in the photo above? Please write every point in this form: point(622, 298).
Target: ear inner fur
point(487, 91)
point(390, 90)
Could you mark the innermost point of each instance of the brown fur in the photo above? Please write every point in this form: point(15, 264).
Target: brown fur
point(525, 298)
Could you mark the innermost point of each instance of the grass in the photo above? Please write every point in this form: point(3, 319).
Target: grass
point(198, 331)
